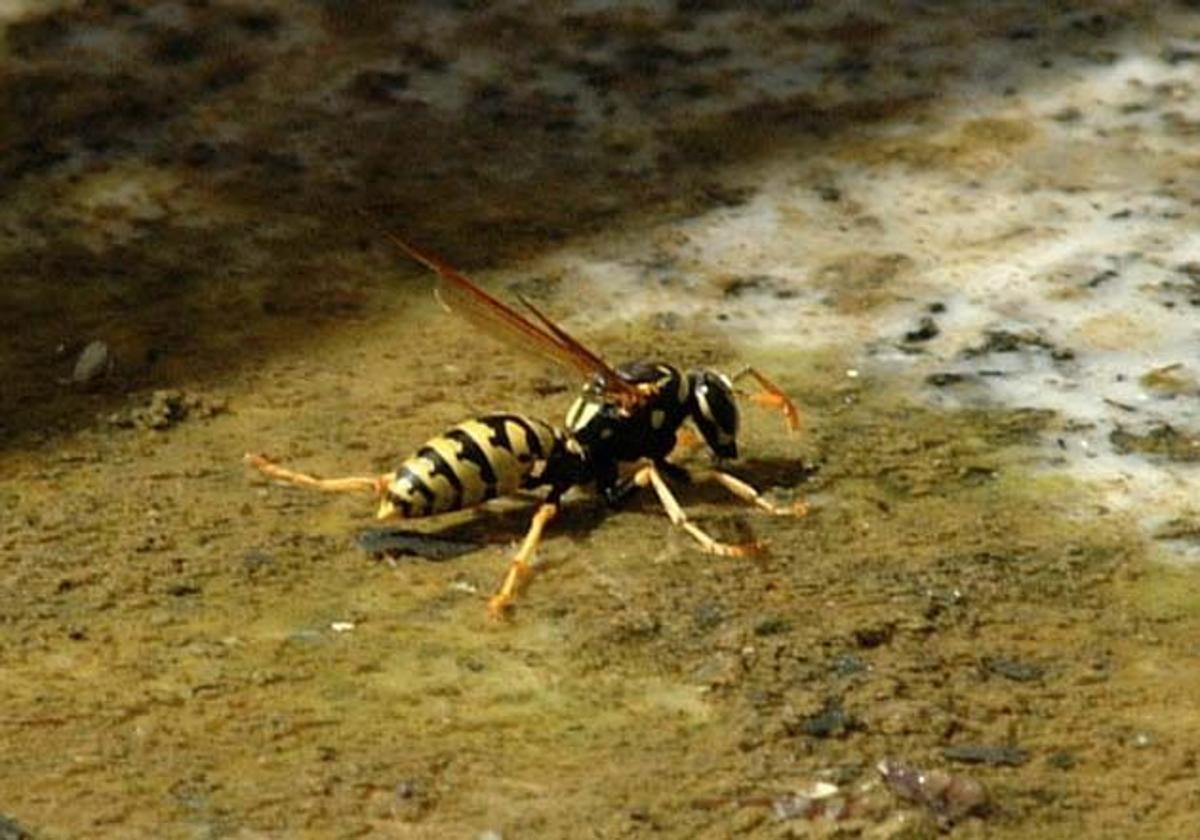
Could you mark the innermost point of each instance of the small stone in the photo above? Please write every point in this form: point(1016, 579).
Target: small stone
point(847, 665)
point(772, 626)
point(1062, 760)
point(945, 379)
point(872, 636)
point(707, 615)
point(831, 722)
point(10, 829)
point(94, 362)
point(1013, 669)
point(994, 756)
point(950, 797)
point(926, 330)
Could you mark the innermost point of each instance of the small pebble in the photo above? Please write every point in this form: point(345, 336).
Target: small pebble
point(94, 362)
point(994, 756)
point(925, 330)
point(949, 796)
point(1014, 669)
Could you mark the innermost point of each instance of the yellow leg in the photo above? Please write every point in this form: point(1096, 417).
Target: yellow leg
point(771, 396)
point(747, 492)
point(352, 484)
point(521, 566)
point(649, 475)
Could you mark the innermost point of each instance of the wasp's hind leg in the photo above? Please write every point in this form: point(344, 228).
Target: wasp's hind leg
point(650, 475)
point(746, 492)
point(353, 484)
point(772, 396)
point(521, 567)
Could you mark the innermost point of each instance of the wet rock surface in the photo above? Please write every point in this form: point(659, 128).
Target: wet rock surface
point(964, 242)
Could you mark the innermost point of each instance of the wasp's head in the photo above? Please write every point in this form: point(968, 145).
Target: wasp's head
point(714, 411)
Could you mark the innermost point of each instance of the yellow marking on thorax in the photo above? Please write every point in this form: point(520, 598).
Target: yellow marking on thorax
point(581, 413)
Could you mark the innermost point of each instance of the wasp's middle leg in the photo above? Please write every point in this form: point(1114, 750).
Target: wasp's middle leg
point(649, 475)
point(521, 566)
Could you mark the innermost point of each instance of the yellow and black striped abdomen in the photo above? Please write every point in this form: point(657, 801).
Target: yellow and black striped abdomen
point(490, 456)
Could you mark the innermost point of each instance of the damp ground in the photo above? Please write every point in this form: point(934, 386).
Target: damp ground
point(962, 242)
point(191, 652)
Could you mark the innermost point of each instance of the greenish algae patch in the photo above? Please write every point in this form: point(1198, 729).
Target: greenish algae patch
point(971, 146)
point(1161, 440)
point(1167, 594)
point(862, 282)
point(1170, 381)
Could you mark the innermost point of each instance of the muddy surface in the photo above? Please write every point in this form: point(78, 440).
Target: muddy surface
point(191, 652)
point(187, 650)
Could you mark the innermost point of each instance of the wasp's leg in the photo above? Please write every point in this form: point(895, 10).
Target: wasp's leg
point(353, 484)
point(619, 492)
point(673, 472)
point(771, 396)
point(745, 491)
point(616, 494)
point(649, 475)
point(521, 566)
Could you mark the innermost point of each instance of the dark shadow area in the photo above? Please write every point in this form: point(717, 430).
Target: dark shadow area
point(186, 183)
point(486, 527)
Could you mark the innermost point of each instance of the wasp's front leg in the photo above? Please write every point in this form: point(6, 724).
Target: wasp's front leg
point(746, 492)
point(772, 396)
point(649, 475)
point(619, 491)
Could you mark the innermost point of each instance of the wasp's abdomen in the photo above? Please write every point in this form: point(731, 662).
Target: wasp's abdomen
point(490, 456)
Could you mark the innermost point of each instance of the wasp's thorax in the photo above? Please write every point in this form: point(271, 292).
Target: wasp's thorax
point(612, 433)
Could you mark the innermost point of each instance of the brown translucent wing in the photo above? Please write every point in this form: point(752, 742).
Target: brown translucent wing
point(462, 296)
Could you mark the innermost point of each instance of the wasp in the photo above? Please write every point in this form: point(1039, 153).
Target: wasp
point(632, 414)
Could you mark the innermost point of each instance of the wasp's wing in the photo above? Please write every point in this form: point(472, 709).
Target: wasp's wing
point(461, 295)
point(613, 381)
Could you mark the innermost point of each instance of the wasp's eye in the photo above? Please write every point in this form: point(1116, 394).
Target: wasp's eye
point(715, 412)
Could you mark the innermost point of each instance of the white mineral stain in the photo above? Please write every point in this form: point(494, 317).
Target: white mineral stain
point(1064, 214)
